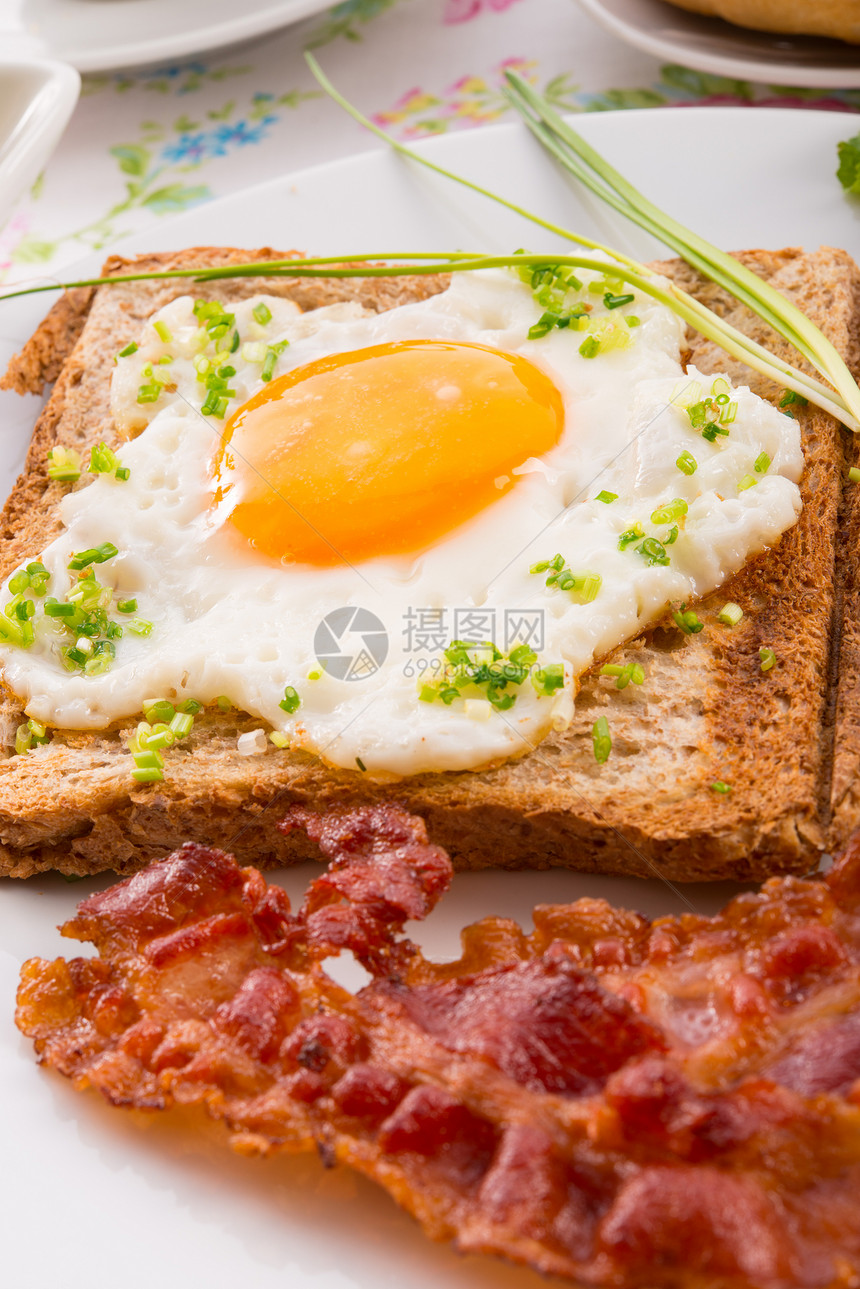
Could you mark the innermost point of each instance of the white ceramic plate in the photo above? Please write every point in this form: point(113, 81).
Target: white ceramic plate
point(711, 45)
point(37, 97)
point(98, 35)
point(93, 1197)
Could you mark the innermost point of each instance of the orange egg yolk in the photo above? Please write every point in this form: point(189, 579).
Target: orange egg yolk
point(382, 450)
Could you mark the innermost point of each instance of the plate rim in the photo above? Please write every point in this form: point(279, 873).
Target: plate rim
point(750, 68)
point(132, 242)
point(267, 16)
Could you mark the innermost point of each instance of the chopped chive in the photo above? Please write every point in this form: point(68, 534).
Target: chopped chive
point(616, 301)
point(767, 658)
point(161, 737)
point(102, 460)
point(546, 680)
point(64, 465)
point(158, 709)
point(95, 555)
point(629, 536)
point(710, 432)
point(544, 325)
point(730, 614)
point(632, 671)
point(53, 609)
point(557, 563)
point(789, 397)
point(181, 724)
point(687, 620)
point(652, 551)
point(762, 463)
point(215, 404)
point(151, 774)
point(291, 702)
point(687, 463)
point(601, 740)
point(262, 313)
point(273, 352)
point(130, 349)
point(606, 497)
point(37, 729)
point(669, 512)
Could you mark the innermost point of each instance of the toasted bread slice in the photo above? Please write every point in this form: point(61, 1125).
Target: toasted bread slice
point(707, 713)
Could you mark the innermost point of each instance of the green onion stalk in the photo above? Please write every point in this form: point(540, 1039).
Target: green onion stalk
point(840, 397)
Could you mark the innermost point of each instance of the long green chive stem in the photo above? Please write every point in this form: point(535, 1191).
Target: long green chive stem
point(705, 322)
point(845, 408)
point(406, 151)
point(572, 150)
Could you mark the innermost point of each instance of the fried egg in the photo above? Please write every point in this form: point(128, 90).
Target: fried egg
point(402, 481)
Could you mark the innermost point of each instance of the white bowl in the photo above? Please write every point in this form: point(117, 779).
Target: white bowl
point(37, 97)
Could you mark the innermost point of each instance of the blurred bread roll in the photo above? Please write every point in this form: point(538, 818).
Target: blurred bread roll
point(838, 18)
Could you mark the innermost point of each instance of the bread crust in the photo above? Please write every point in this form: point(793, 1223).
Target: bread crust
point(839, 19)
point(706, 713)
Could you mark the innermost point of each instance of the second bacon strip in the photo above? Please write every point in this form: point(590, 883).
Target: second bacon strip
point(622, 1102)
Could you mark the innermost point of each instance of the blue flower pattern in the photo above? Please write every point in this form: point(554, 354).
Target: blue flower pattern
point(192, 149)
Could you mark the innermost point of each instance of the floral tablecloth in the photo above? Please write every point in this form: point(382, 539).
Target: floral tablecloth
point(144, 145)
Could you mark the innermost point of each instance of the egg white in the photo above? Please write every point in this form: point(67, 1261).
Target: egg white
point(228, 622)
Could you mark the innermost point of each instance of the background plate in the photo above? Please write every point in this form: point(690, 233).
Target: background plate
point(98, 35)
point(711, 45)
point(37, 97)
point(94, 1197)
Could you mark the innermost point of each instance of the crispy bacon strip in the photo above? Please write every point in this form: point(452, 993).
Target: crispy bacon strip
point(622, 1102)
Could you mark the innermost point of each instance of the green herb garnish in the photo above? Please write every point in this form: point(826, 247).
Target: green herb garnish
point(687, 620)
point(601, 740)
point(848, 172)
point(291, 702)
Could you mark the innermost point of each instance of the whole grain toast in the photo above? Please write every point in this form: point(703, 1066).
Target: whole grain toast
point(785, 741)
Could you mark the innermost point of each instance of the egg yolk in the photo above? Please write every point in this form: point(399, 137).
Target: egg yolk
point(382, 450)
